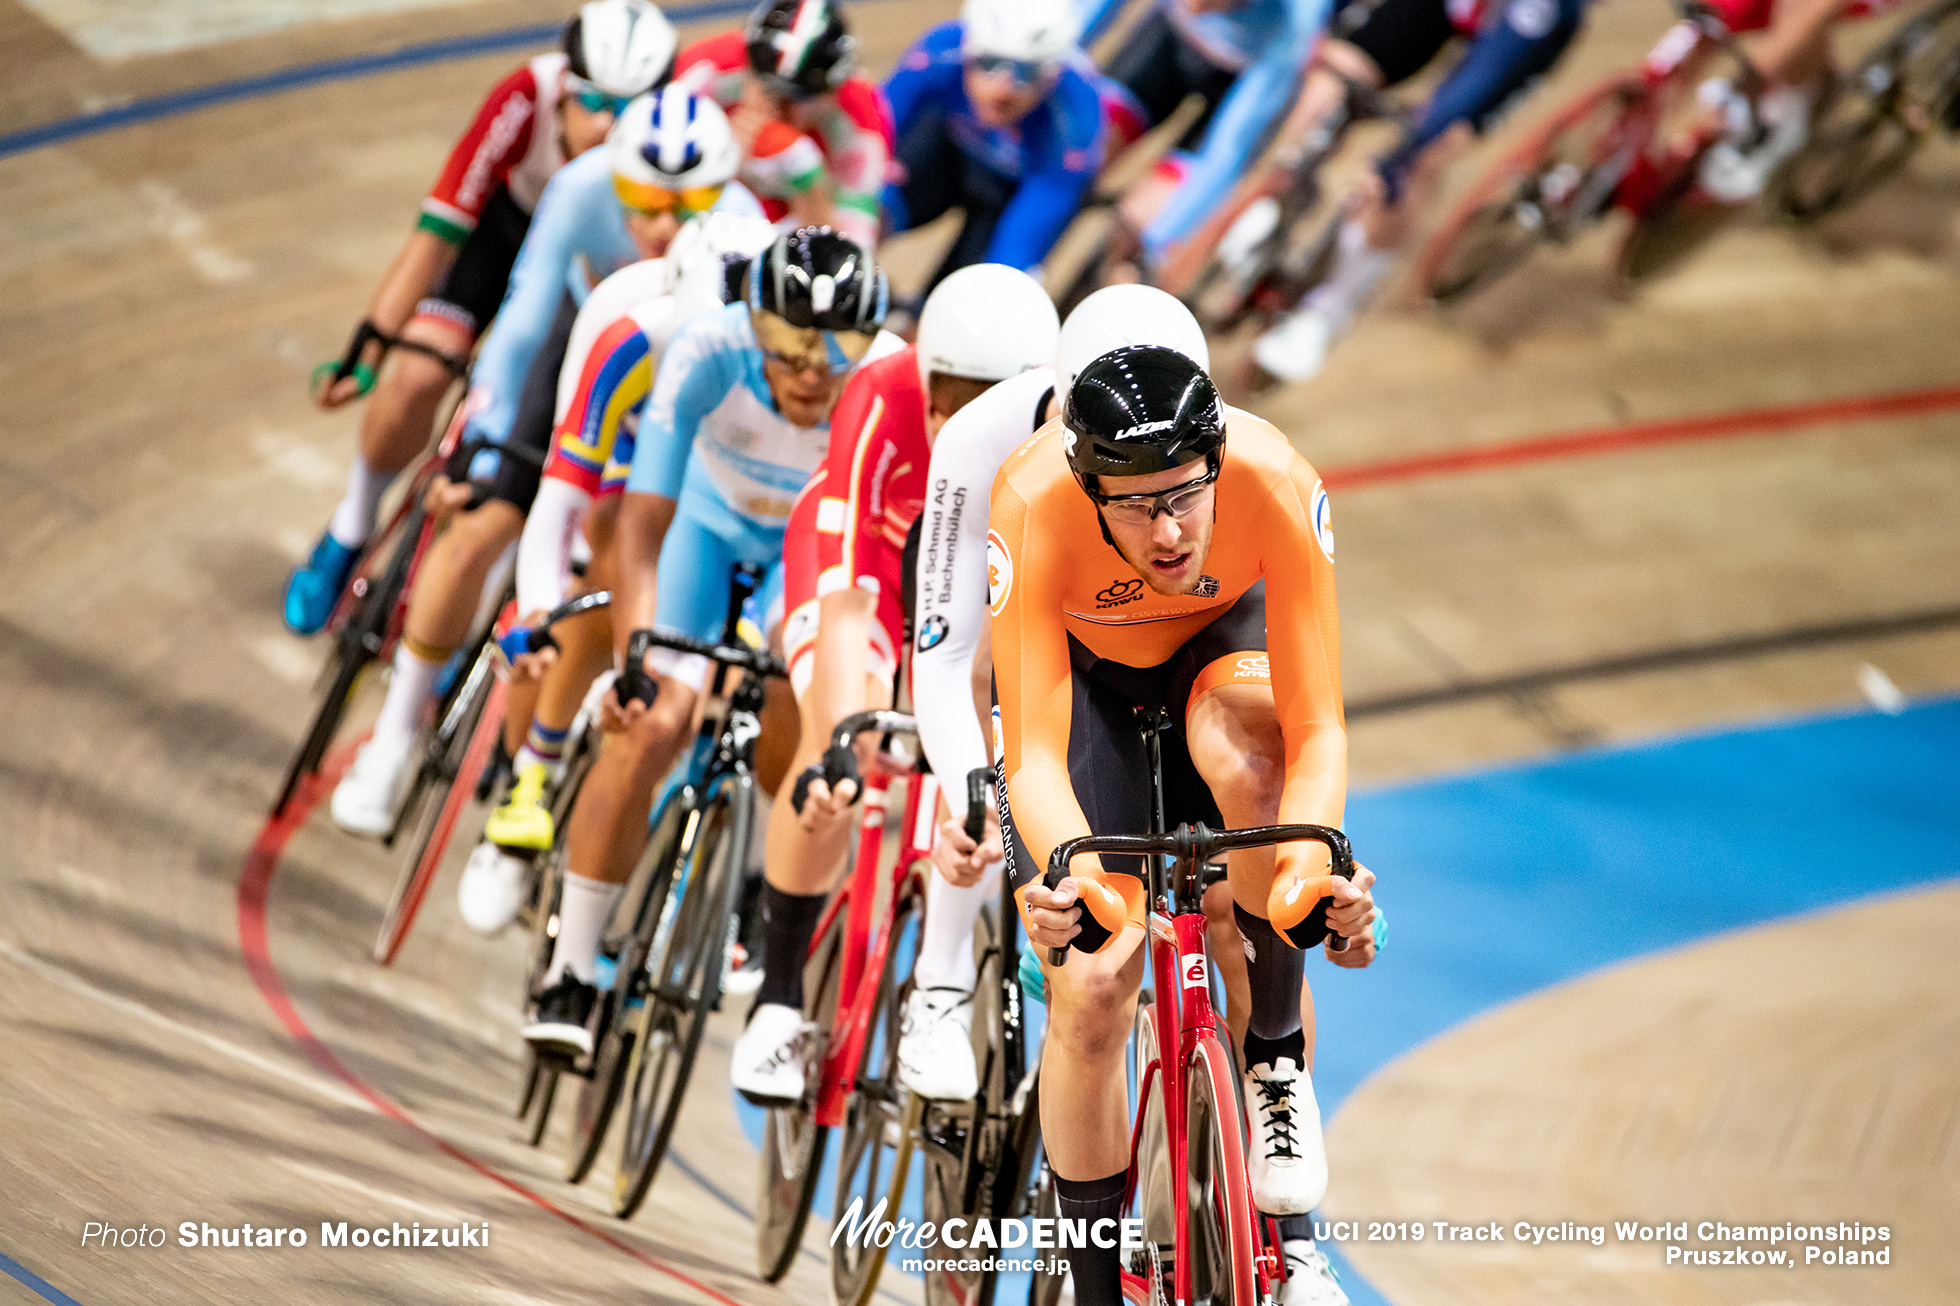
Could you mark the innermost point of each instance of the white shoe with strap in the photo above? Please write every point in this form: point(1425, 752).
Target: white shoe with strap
point(766, 1064)
point(1287, 1159)
point(935, 1045)
point(1310, 1280)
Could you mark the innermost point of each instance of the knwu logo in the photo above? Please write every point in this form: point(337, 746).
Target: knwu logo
point(1256, 667)
point(1119, 592)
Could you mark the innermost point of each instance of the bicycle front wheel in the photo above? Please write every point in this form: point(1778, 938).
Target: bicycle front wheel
point(1221, 1226)
point(476, 727)
point(877, 1143)
point(598, 1096)
point(683, 979)
point(792, 1140)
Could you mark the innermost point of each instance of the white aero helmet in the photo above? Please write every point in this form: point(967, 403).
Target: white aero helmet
point(710, 259)
point(987, 322)
point(624, 47)
point(1027, 31)
point(672, 141)
point(1116, 316)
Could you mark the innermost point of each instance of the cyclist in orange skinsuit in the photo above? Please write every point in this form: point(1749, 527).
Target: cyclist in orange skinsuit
point(1148, 549)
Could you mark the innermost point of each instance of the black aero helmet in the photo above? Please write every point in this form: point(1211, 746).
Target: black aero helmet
point(800, 46)
point(1139, 410)
point(814, 277)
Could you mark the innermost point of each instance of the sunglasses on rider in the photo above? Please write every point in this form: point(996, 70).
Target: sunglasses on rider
point(593, 98)
point(1023, 72)
point(809, 349)
point(1179, 501)
point(652, 201)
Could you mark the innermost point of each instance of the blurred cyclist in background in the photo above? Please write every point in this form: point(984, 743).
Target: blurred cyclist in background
point(670, 155)
point(617, 342)
point(1382, 43)
point(814, 132)
point(1243, 58)
point(445, 285)
point(993, 117)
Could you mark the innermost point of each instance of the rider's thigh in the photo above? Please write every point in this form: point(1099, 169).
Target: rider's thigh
point(1351, 62)
point(1235, 743)
point(484, 531)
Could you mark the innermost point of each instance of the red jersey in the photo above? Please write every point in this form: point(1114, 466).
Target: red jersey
point(849, 525)
point(847, 137)
point(513, 141)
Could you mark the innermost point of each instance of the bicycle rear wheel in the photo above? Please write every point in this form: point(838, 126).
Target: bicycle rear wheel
point(1221, 1237)
point(792, 1140)
point(876, 1148)
point(598, 1096)
point(1560, 179)
point(683, 978)
point(1877, 118)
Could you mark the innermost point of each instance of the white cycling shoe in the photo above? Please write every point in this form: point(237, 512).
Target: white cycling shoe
point(1296, 347)
point(1310, 1280)
point(1734, 171)
point(766, 1065)
point(492, 888)
point(1287, 1160)
point(370, 794)
point(935, 1045)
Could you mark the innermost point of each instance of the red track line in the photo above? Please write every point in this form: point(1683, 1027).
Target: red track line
point(254, 887)
point(1643, 435)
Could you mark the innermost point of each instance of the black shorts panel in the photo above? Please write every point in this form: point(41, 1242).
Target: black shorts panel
point(476, 281)
point(1107, 761)
point(1401, 36)
point(515, 480)
point(1160, 68)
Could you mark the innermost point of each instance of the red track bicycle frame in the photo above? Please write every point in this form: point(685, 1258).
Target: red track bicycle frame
point(868, 926)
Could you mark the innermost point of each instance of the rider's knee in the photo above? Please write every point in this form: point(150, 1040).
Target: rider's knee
point(1244, 780)
point(1089, 1014)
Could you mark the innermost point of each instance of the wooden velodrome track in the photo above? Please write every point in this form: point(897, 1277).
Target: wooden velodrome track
point(164, 290)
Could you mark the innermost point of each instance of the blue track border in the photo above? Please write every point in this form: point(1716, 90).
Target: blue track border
point(34, 1281)
point(313, 74)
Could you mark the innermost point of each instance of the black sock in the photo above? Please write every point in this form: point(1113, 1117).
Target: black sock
point(1096, 1271)
point(788, 921)
point(1274, 974)
point(1294, 1228)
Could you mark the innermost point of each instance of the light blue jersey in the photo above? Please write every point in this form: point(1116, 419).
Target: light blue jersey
point(577, 239)
point(712, 438)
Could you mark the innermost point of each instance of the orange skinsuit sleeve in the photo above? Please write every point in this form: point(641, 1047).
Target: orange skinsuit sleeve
point(1303, 642)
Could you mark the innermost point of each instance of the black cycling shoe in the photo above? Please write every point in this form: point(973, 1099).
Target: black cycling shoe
point(563, 1013)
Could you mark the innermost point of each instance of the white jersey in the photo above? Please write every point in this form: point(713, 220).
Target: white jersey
point(950, 610)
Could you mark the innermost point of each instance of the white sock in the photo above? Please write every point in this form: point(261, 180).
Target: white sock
point(410, 687)
point(945, 958)
point(353, 520)
point(584, 907)
point(1358, 269)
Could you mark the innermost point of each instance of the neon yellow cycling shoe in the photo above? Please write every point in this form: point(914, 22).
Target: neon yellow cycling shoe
point(523, 821)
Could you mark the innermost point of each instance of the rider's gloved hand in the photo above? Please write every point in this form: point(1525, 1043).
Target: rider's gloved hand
point(1090, 908)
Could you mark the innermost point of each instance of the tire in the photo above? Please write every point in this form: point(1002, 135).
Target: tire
point(1156, 1194)
point(547, 1093)
point(1559, 180)
point(955, 1140)
point(876, 1147)
point(792, 1141)
point(683, 978)
point(1880, 114)
point(356, 644)
point(478, 720)
point(1221, 1227)
point(598, 1096)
